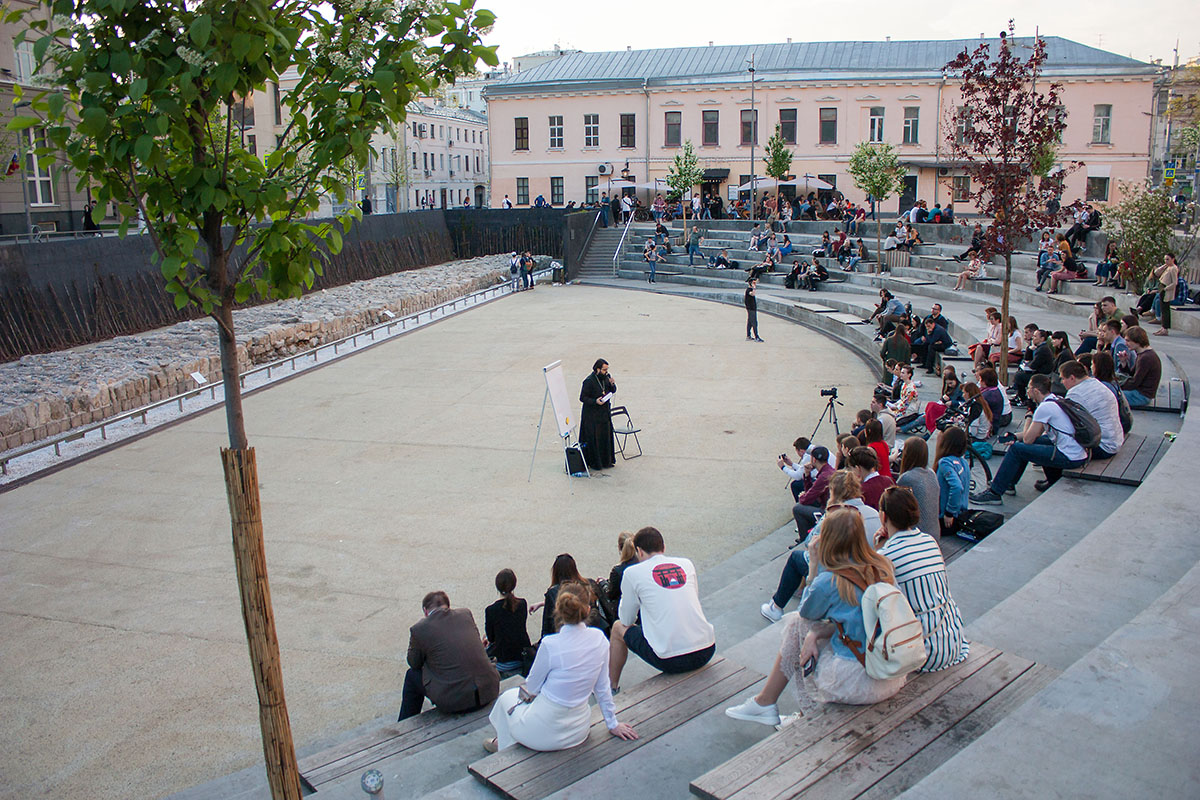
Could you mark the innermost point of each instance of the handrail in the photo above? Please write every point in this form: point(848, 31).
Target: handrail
point(75, 434)
point(621, 245)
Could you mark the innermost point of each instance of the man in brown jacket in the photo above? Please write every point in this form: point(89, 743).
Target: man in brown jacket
point(447, 662)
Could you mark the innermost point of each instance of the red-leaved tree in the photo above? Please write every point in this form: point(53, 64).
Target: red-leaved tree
point(1006, 130)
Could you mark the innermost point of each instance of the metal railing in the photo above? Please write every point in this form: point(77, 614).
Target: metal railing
point(386, 328)
point(38, 236)
point(621, 246)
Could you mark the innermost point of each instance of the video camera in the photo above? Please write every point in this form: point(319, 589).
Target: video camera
point(830, 392)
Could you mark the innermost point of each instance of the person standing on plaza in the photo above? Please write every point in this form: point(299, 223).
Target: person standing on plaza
point(752, 311)
point(595, 420)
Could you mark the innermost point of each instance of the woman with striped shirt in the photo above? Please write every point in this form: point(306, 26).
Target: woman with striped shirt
point(921, 575)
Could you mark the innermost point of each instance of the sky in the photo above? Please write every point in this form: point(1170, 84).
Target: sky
point(1143, 29)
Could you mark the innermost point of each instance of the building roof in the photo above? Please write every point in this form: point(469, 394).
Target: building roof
point(801, 61)
point(447, 112)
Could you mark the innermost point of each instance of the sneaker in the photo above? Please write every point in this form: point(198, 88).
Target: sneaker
point(987, 498)
point(1042, 485)
point(751, 711)
point(789, 719)
point(771, 612)
point(749, 338)
point(760, 340)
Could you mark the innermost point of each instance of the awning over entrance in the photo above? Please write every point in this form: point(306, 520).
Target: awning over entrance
point(714, 175)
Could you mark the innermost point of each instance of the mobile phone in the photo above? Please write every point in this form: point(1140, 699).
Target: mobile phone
point(809, 666)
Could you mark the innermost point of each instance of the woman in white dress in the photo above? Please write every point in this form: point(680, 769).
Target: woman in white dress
point(551, 711)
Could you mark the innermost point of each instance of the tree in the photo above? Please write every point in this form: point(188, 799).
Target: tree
point(683, 176)
point(877, 172)
point(156, 89)
point(1002, 128)
point(777, 159)
point(1143, 225)
point(1183, 111)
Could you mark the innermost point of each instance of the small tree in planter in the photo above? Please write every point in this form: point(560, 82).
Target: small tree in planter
point(777, 161)
point(1002, 130)
point(1143, 225)
point(683, 176)
point(877, 172)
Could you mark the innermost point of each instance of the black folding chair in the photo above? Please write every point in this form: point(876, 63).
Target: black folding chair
point(622, 430)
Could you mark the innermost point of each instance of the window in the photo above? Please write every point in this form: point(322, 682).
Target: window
point(414, 159)
point(1101, 129)
point(276, 102)
point(710, 135)
point(591, 130)
point(962, 188)
point(37, 171)
point(828, 132)
point(252, 144)
point(243, 111)
point(912, 122)
point(556, 191)
point(591, 192)
point(556, 133)
point(415, 128)
point(787, 125)
point(521, 125)
point(26, 65)
point(1097, 190)
point(674, 122)
point(477, 169)
point(522, 191)
point(962, 125)
point(425, 158)
point(442, 131)
point(628, 130)
point(749, 126)
point(876, 131)
point(278, 142)
point(441, 161)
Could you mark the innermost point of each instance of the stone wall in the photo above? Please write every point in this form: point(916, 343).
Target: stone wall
point(48, 394)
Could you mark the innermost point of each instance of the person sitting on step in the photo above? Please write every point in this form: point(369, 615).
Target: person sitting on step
point(446, 661)
point(813, 657)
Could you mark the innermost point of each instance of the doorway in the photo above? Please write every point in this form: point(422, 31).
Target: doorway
point(908, 195)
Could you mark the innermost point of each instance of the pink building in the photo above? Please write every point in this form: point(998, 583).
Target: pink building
point(564, 128)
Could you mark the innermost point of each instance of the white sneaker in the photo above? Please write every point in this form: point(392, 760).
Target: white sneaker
point(771, 611)
point(789, 719)
point(751, 711)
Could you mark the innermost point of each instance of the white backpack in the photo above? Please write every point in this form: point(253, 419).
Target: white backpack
point(895, 639)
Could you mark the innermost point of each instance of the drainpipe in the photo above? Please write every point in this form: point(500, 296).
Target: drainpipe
point(937, 142)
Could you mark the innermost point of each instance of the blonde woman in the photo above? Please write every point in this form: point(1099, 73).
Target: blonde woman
point(814, 657)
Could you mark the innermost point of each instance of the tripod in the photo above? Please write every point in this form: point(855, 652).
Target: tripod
point(831, 412)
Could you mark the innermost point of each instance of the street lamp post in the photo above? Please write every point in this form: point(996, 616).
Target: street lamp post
point(753, 141)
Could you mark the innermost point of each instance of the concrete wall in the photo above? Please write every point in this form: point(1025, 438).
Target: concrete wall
point(62, 294)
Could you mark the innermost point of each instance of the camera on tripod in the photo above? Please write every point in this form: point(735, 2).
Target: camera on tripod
point(830, 392)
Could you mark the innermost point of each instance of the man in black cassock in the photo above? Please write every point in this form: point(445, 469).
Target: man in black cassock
point(595, 421)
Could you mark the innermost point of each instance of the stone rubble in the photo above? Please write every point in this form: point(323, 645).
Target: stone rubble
point(47, 394)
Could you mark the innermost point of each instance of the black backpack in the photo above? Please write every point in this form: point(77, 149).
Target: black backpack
point(1087, 429)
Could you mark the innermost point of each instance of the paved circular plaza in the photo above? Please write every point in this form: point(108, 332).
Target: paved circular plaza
point(124, 670)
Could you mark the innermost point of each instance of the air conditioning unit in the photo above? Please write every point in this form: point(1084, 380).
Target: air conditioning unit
point(943, 171)
point(427, 173)
point(605, 169)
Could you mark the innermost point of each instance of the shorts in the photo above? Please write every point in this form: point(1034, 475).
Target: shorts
point(635, 640)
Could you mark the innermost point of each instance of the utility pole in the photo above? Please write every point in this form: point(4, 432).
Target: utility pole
point(753, 141)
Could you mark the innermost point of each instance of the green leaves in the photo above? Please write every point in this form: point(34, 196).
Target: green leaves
point(200, 30)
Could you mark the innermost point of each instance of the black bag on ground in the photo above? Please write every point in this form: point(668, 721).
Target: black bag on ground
point(976, 524)
point(575, 464)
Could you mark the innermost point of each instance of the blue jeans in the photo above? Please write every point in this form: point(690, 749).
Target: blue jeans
point(693, 250)
point(795, 572)
point(1136, 399)
point(854, 262)
point(1041, 453)
point(653, 264)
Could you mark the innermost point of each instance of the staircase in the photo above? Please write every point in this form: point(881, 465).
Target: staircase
point(597, 259)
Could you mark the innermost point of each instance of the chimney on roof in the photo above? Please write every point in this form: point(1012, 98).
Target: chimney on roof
point(710, 42)
point(628, 49)
point(981, 36)
point(887, 38)
point(789, 40)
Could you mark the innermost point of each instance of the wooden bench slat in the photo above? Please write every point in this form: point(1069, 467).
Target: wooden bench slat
point(871, 758)
point(788, 777)
point(938, 752)
point(657, 723)
point(412, 735)
point(628, 698)
point(1141, 462)
point(763, 758)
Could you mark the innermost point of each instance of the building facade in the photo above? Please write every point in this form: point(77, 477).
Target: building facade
point(565, 128)
point(34, 193)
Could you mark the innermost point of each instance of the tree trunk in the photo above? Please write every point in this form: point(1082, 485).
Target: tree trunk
point(241, 483)
point(1002, 364)
point(249, 555)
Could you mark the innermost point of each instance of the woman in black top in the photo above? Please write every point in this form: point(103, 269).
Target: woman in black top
point(563, 571)
point(504, 631)
point(628, 556)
